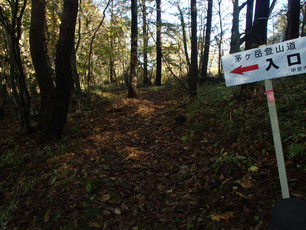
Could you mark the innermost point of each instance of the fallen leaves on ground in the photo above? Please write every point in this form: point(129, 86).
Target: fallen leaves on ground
point(135, 167)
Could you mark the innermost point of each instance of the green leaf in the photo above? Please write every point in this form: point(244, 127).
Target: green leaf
point(88, 187)
point(295, 150)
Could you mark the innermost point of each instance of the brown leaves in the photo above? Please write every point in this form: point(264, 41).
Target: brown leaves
point(105, 197)
point(223, 216)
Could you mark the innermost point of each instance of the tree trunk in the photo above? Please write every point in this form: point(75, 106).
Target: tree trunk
point(75, 74)
point(235, 43)
point(293, 20)
point(64, 81)
point(257, 37)
point(111, 56)
point(220, 43)
point(158, 44)
point(249, 23)
point(40, 60)
point(91, 48)
point(146, 81)
point(303, 30)
point(205, 57)
point(134, 38)
point(184, 36)
point(193, 74)
point(17, 81)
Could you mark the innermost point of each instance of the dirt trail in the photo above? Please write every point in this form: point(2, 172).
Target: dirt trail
point(132, 171)
point(153, 176)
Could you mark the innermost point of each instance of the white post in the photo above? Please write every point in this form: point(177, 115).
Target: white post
point(277, 139)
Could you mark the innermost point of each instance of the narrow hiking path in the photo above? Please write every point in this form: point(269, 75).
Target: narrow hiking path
point(147, 178)
point(134, 164)
point(153, 177)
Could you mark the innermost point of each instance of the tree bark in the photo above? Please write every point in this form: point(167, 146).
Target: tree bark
point(75, 75)
point(12, 33)
point(205, 57)
point(158, 44)
point(303, 30)
point(146, 81)
point(40, 60)
point(220, 43)
point(91, 48)
point(193, 74)
point(184, 36)
point(132, 92)
point(249, 23)
point(235, 43)
point(64, 81)
point(257, 37)
point(293, 20)
point(111, 56)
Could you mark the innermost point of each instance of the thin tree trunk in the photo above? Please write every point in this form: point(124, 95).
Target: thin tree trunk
point(158, 44)
point(64, 81)
point(12, 33)
point(41, 60)
point(205, 57)
point(235, 43)
point(146, 81)
point(132, 93)
point(111, 57)
point(91, 48)
point(184, 35)
point(221, 39)
point(75, 74)
point(193, 74)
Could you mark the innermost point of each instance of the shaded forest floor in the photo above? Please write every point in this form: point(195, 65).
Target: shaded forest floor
point(158, 162)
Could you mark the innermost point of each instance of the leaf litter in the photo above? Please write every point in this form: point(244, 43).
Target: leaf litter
point(133, 171)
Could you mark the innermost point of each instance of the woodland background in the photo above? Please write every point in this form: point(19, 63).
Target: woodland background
point(114, 115)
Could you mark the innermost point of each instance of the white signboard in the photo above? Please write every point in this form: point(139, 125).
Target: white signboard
point(266, 62)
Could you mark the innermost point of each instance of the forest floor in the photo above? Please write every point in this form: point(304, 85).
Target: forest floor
point(156, 162)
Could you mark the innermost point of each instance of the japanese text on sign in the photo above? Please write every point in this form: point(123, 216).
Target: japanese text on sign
point(272, 61)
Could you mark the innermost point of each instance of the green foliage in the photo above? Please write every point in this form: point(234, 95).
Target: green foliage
point(222, 119)
point(227, 161)
point(296, 150)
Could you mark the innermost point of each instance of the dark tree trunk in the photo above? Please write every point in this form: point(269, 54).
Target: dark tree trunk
point(293, 19)
point(193, 73)
point(249, 23)
point(146, 80)
point(158, 44)
point(220, 42)
point(111, 56)
point(259, 29)
point(3, 98)
point(134, 38)
point(235, 44)
point(303, 29)
point(235, 38)
point(40, 60)
point(64, 81)
point(257, 37)
point(75, 74)
point(205, 57)
point(184, 36)
point(17, 80)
